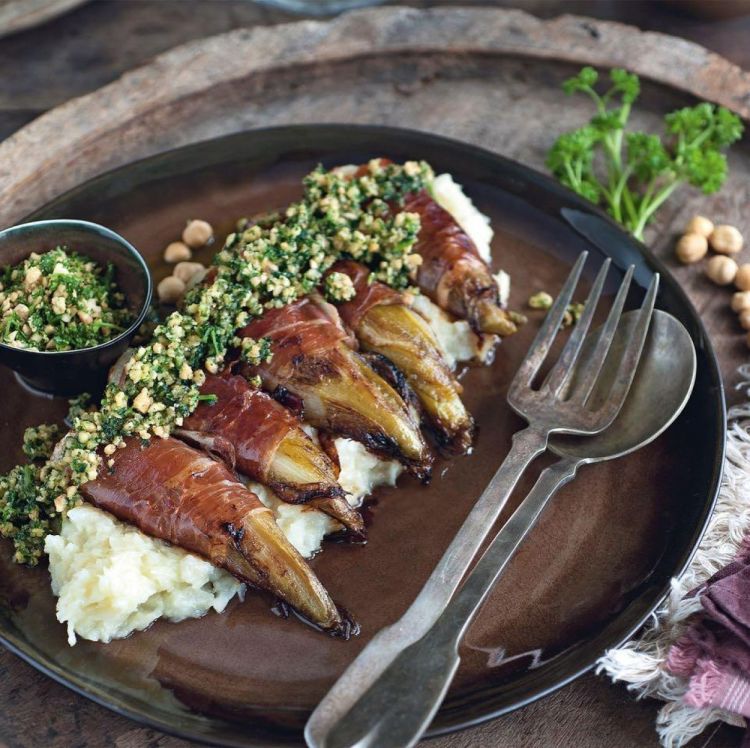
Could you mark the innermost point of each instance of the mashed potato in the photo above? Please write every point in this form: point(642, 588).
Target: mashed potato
point(456, 338)
point(111, 579)
point(361, 473)
point(450, 196)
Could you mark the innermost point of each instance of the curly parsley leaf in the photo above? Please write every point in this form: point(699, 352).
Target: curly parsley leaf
point(632, 174)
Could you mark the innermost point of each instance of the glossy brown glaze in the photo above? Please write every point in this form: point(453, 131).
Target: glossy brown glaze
point(312, 359)
point(257, 436)
point(385, 325)
point(594, 555)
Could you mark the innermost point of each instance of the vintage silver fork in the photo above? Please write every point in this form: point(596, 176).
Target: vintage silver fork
point(362, 707)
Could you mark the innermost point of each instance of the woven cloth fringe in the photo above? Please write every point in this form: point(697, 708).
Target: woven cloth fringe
point(640, 662)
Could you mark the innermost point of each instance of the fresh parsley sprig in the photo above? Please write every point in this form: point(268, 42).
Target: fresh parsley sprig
point(633, 173)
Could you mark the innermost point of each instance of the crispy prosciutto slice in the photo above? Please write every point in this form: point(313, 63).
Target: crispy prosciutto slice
point(175, 493)
point(253, 433)
point(384, 324)
point(312, 359)
point(452, 273)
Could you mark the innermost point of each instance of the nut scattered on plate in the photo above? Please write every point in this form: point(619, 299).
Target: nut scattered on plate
point(185, 271)
point(691, 248)
point(742, 279)
point(726, 240)
point(197, 233)
point(185, 274)
point(700, 225)
point(177, 252)
point(170, 290)
point(741, 301)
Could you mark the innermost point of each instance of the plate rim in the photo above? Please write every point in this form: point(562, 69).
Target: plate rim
point(77, 683)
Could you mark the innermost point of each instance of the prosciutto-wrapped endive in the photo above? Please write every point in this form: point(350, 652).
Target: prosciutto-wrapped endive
point(173, 492)
point(339, 392)
point(384, 324)
point(452, 273)
point(256, 435)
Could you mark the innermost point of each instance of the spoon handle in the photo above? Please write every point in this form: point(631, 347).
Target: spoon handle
point(385, 646)
point(399, 705)
point(467, 601)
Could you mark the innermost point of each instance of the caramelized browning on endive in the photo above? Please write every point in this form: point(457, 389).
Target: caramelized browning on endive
point(452, 273)
point(175, 493)
point(311, 359)
point(450, 270)
point(384, 324)
point(256, 435)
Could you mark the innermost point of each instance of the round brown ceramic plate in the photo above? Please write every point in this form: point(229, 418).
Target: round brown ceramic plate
point(599, 561)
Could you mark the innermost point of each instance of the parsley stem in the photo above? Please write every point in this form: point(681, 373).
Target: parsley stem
point(646, 212)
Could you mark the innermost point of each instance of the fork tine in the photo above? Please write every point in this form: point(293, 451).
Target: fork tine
point(583, 388)
point(629, 361)
point(548, 330)
point(562, 370)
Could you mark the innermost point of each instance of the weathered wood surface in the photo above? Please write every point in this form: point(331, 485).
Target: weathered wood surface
point(16, 15)
point(486, 76)
point(258, 76)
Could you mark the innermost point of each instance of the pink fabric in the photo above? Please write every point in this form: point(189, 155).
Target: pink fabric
point(714, 653)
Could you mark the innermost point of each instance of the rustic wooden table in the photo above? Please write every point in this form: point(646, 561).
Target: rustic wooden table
point(92, 46)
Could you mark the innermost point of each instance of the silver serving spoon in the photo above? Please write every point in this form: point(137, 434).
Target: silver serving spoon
point(398, 707)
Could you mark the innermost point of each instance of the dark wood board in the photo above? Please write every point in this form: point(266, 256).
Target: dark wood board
point(485, 76)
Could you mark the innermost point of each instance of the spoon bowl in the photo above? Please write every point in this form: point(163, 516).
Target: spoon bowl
point(662, 386)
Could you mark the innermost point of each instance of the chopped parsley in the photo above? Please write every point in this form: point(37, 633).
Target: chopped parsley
point(262, 265)
point(39, 441)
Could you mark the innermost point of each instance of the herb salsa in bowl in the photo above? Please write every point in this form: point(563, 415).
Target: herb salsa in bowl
point(73, 295)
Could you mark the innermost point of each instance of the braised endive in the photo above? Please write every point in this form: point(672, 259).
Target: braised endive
point(384, 324)
point(339, 392)
point(251, 432)
point(175, 493)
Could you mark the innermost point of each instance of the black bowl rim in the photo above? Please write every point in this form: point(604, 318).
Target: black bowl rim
point(109, 234)
point(715, 387)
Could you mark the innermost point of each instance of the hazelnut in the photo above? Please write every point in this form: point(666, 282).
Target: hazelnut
point(699, 225)
point(33, 274)
point(186, 270)
point(22, 311)
point(170, 290)
point(744, 318)
point(691, 248)
point(177, 252)
point(740, 301)
point(142, 401)
point(197, 233)
point(726, 240)
point(721, 270)
point(742, 279)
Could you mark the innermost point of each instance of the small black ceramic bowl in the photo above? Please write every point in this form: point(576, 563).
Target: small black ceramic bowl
point(84, 370)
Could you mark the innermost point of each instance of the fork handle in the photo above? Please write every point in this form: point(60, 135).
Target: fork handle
point(398, 707)
point(386, 645)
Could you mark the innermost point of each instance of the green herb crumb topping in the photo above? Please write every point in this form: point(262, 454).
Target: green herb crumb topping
point(39, 441)
point(267, 264)
point(60, 301)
